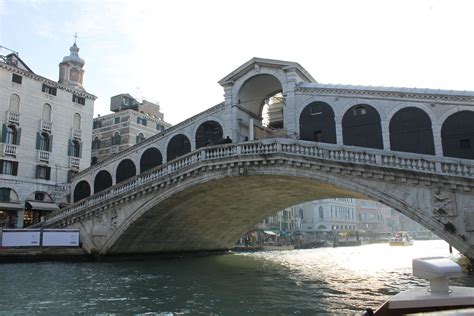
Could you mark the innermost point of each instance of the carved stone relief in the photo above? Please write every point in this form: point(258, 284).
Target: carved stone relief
point(443, 204)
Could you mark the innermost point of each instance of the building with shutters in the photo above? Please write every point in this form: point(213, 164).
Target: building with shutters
point(131, 123)
point(45, 136)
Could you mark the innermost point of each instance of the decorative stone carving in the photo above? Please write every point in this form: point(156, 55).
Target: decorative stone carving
point(469, 220)
point(113, 219)
point(443, 204)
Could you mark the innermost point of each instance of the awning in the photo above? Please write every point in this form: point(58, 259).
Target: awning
point(10, 206)
point(268, 232)
point(42, 206)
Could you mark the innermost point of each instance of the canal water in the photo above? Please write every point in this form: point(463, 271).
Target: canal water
point(296, 282)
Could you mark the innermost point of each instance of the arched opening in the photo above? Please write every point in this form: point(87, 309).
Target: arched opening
point(410, 131)
point(47, 112)
point(81, 191)
point(261, 103)
point(140, 138)
point(77, 121)
point(457, 135)
point(10, 208)
point(178, 146)
point(317, 123)
point(209, 133)
point(14, 104)
point(102, 181)
point(116, 139)
point(125, 170)
point(150, 158)
point(37, 205)
point(361, 127)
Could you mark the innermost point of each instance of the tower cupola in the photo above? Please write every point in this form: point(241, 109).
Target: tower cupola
point(70, 69)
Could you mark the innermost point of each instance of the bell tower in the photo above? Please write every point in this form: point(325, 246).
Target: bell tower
point(70, 69)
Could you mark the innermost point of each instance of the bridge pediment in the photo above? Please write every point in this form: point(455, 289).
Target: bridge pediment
point(255, 64)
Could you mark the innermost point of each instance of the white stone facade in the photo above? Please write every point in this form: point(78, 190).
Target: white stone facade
point(47, 117)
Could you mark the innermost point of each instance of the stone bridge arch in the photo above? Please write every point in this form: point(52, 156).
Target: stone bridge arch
point(209, 204)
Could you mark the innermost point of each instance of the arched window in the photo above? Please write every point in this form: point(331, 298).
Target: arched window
point(208, 133)
point(47, 112)
point(14, 104)
point(82, 190)
point(77, 121)
point(457, 135)
point(5, 194)
point(96, 143)
point(151, 158)
point(410, 131)
point(75, 148)
point(317, 123)
point(116, 139)
point(361, 127)
point(140, 138)
point(102, 181)
point(178, 146)
point(125, 170)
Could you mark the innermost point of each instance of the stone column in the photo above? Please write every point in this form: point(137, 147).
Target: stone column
point(19, 221)
point(385, 134)
point(438, 144)
point(251, 132)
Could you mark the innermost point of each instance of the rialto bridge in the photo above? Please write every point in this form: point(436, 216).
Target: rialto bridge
point(292, 140)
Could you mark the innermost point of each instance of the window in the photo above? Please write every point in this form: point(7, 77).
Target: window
point(11, 134)
point(116, 139)
point(9, 167)
point(75, 148)
point(140, 138)
point(14, 104)
point(76, 124)
point(48, 89)
point(44, 141)
point(39, 196)
point(78, 99)
point(43, 172)
point(5, 194)
point(47, 112)
point(16, 78)
point(116, 120)
point(97, 124)
point(141, 121)
point(359, 110)
point(96, 143)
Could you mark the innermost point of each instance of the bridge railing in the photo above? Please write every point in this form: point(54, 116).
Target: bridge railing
point(298, 148)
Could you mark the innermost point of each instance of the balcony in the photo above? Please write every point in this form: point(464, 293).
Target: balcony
point(43, 155)
point(46, 126)
point(76, 133)
point(74, 162)
point(8, 149)
point(13, 117)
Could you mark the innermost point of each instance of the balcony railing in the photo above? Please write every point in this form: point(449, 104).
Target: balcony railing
point(74, 162)
point(13, 117)
point(76, 133)
point(43, 155)
point(46, 126)
point(9, 150)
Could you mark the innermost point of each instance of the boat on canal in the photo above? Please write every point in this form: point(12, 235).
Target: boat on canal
point(401, 238)
point(439, 297)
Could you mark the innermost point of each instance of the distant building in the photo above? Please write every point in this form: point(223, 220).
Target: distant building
point(131, 124)
point(45, 137)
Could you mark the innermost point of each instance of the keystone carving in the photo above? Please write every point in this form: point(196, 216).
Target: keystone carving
point(443, 204)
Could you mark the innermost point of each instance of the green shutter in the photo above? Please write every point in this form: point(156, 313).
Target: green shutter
point(18, 136)
point(50, 149)
point(48, 173)
point(15, 169)
point(80, 150)
point(4, 133)
point(1, 166)
point(69, 148)
point(38, 140)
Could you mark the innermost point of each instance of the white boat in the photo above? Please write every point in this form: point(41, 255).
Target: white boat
point(439, 297)
point(401, 238)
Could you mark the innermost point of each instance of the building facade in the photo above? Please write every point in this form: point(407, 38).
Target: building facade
point(131, 123)
point(45, 137)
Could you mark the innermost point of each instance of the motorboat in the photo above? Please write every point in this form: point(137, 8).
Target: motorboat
point(401, 238)
point(439, 297)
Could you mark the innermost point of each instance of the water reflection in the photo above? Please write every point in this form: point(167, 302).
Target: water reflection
point(302, 282)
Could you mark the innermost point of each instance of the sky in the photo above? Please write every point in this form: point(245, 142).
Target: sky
point(175, 52)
